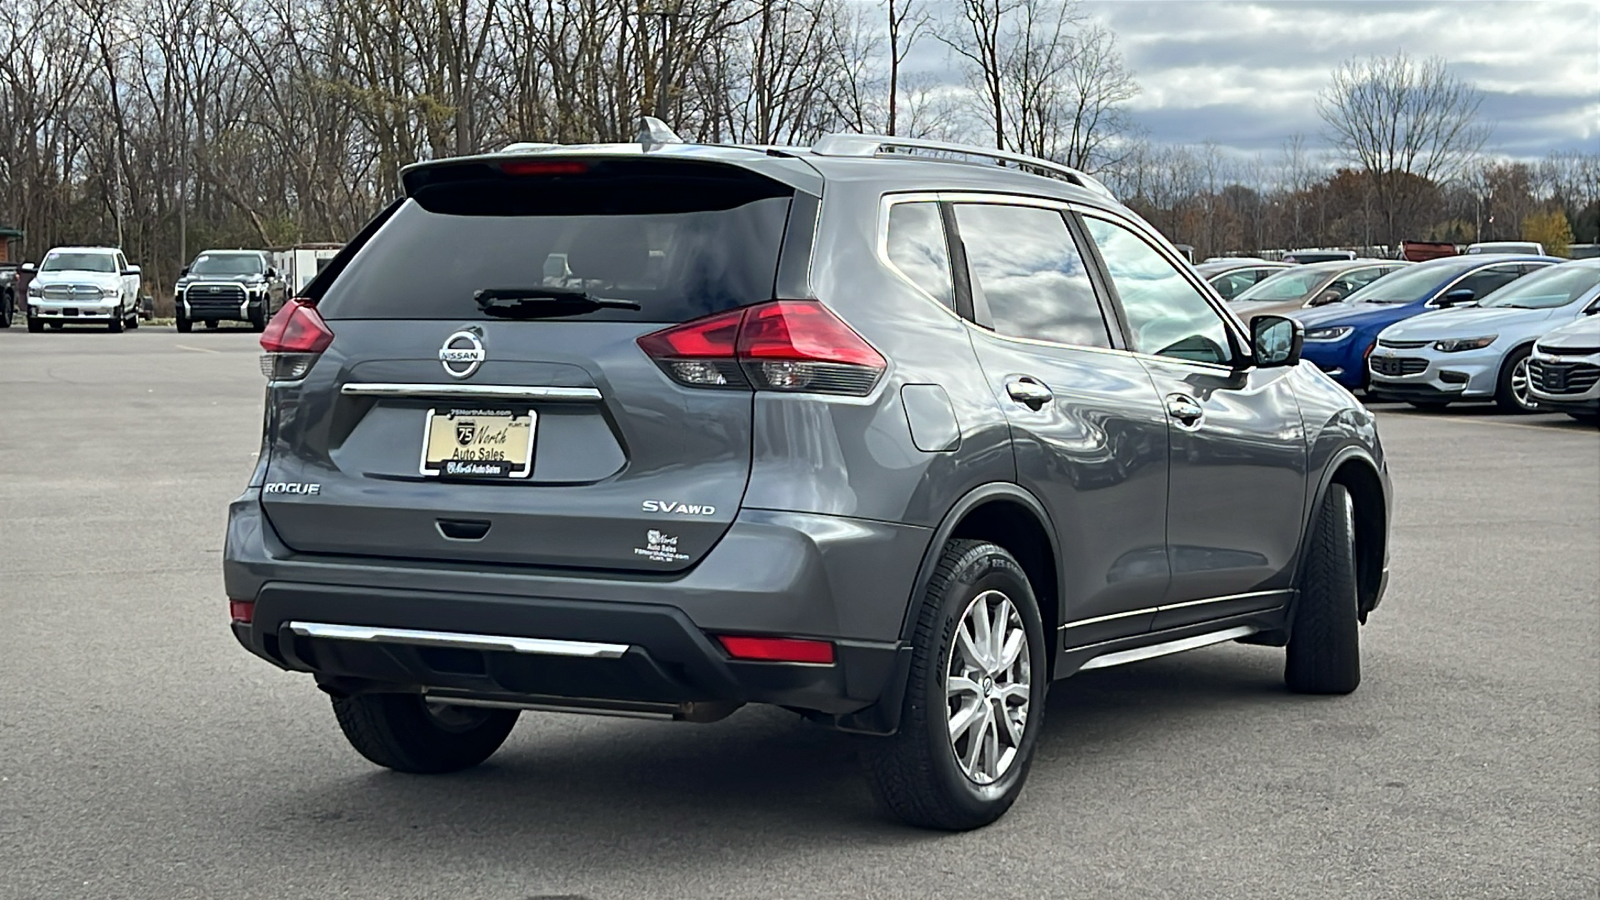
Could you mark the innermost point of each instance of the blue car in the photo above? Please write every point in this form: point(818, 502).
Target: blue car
point(1340, 336)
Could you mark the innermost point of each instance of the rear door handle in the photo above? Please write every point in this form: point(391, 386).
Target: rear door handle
point(1185, 409)
point(1029, 391)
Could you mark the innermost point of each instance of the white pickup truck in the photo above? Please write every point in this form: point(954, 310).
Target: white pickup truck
point(84, 286)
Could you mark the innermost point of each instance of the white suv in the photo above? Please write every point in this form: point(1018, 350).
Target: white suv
point(84, 285)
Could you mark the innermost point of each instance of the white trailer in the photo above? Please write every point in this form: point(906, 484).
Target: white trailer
point(301, 263)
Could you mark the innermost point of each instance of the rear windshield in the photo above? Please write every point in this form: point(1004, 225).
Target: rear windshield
point(680, 247)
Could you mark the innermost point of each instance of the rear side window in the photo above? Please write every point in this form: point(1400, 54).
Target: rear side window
point(1026, 267)
point(916, 247)
point(682, 241)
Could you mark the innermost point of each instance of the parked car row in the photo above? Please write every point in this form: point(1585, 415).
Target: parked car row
point(1450, 330)
point(98, 286)
point(1486, 352)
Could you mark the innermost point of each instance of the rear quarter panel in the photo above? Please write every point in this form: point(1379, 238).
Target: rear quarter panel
point(850, 457)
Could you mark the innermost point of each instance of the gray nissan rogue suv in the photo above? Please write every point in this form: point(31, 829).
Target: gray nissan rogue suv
point(886, 432)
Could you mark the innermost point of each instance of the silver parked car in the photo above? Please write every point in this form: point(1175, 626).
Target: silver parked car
point(1231, 276)
point(1564, 370)
point(1482, 353)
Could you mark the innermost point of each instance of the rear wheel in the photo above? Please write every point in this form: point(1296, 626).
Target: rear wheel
point(119, 320)
point(407, 733)
point(7, 310)
point(57, 326)
point(133, 319)
point(1324, 654)
point(974, 703)
point(1587, 418)
point(34, 325)
point(183, 324)
point(258, 317)
point(211, 323)
point(1511, 391)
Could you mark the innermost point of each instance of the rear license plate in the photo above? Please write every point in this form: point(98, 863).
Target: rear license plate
point(478, 443)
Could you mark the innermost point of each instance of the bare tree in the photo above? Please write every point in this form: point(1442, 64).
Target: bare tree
point(1402, 120)
point(907, 21)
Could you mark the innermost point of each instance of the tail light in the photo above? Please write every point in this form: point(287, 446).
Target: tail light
point(294, 339)
point(786, 345)
point(242, 611)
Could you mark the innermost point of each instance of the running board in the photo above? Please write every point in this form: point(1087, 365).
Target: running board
point(1177, 646)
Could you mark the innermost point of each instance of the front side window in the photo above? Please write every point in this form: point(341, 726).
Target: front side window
point(916, 247)
point(1027, 269)
point(1286, 284)
point(1167, 316)
point(1484, 282)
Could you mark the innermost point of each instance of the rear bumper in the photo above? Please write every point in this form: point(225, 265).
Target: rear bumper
point(784, 574)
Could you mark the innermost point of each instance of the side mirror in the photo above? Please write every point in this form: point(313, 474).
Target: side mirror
point(131, 270)
point(1458, 297)
point(271, 272)
point(30, 268)
point(1328, 296)
point(1276, 341)
point(183, 272)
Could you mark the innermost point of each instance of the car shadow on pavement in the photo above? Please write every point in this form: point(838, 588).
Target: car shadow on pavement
point(761, 776)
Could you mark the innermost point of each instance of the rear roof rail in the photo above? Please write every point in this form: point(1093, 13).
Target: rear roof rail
point(878, 145)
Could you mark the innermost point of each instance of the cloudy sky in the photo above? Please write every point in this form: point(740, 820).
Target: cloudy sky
point(1246, 73)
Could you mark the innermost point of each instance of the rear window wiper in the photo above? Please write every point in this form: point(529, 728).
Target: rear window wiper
point(540, 302)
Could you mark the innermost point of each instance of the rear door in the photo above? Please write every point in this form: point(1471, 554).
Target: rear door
point(534, 433)
point(1087, 428)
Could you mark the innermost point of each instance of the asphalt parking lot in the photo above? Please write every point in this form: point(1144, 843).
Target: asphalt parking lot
point(143, 754)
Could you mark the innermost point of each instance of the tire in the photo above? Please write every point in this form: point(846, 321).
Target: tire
point(916, 773)
point(57, 326)
point(1507, 395)
point(211, 323)
point(118, 322)
point(1586, 418)
point(406, 733)
point(258, 317)
point(34, 325)
point(7, 310)
point(1324, 653)
point(133, 319)
point(1430, 405)
point(184, 326)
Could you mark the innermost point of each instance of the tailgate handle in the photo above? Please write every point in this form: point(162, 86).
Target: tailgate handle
point(463, 529)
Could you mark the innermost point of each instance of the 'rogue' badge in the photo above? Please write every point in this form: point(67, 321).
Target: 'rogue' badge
point(462, 354)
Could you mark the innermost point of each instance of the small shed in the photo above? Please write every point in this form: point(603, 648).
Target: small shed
point(10, 243)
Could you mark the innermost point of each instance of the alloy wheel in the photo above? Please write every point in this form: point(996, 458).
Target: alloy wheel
point(987, 687)
point(1519, 386)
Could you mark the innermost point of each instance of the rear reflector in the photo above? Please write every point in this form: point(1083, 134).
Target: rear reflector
point(294, 339)
point(772, 649)
point(242, 611)
point(785, 345)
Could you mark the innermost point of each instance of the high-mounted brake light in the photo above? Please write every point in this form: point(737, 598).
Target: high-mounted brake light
point(771, 649)
point(544, 167)
point(294, 339)
point(785, 345)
